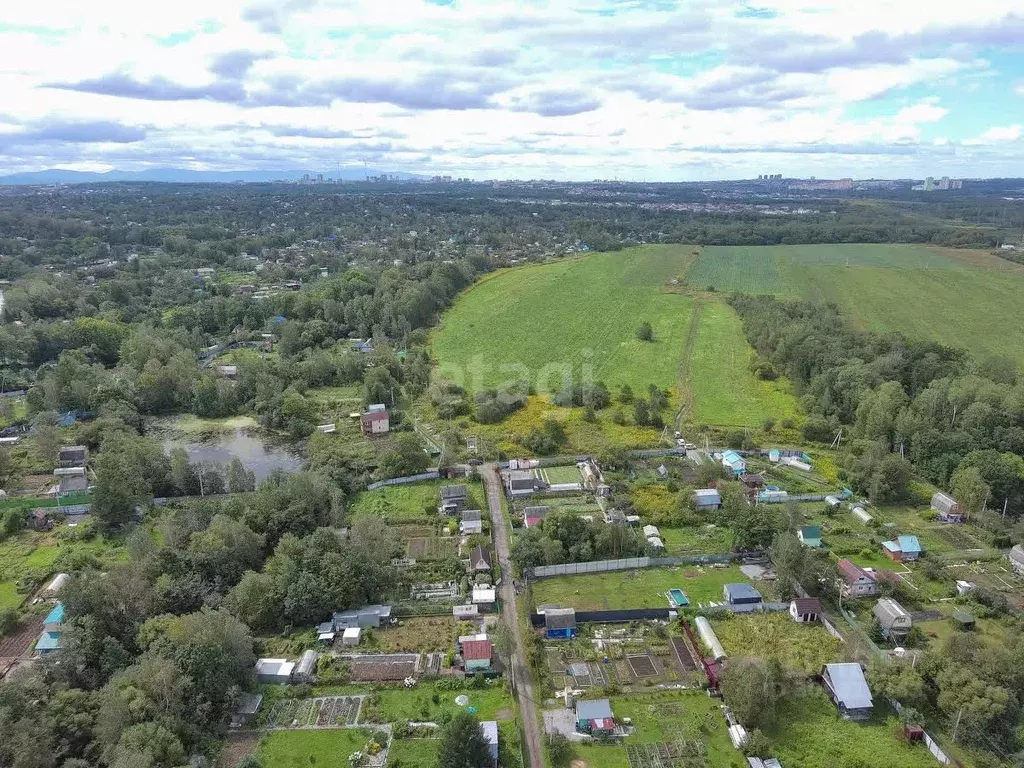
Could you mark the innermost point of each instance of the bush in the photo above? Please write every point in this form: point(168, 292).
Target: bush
point(645, 332)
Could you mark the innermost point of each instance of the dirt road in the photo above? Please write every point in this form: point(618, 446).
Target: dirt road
point(521, 681)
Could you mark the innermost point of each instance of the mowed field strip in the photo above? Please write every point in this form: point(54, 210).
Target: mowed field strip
point(966, 299)
point(580, 312)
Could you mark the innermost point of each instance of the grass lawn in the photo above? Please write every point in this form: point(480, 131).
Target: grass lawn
point(922, 291)
point(665, 716)
point(812, 735)
point(723, 389)
point(538, 321)
point(313, 747)
point(704, 540)
point(803, 647)
point(567, 474)
point(582, 436)
point(411, 502)
point(644, 588)
point(414, 753)
point(392, 704)
point(422, 633)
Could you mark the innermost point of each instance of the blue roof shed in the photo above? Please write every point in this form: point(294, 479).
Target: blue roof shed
point(56, 616)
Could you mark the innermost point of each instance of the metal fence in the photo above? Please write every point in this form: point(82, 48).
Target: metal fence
point(618, 616)
point(628, 564)
point(431, 475)
point(929, 741)
point(648, 454)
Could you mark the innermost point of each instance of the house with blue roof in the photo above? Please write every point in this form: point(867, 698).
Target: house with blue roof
point(51, 638)
point(903, 549)
point(732, 461)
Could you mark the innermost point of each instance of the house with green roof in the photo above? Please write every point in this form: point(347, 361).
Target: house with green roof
point(810, 536)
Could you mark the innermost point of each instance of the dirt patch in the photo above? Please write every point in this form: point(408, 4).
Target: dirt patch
point(504, 714)
point(578, 764)
point(20, 642)
point(237, 747)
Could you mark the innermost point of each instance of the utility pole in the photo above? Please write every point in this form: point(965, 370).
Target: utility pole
point(957, 726)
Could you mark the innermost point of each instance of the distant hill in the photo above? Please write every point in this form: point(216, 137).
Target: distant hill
point(180, 175)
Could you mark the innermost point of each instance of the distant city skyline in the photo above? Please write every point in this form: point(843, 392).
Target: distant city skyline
point(654, 90)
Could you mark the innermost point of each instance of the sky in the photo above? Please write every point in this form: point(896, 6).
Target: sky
point(495, 89)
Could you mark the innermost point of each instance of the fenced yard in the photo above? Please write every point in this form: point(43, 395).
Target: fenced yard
point(641, 588)
point(321, 712)
point(802, 647)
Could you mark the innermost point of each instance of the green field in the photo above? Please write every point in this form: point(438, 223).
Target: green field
point(966, 299)
point(812, 735)
point(637, 589)
point(579, 314)
point(409, 502)
point(312, 747)
point(801, 647)
point(414, 753)
point(724, 392)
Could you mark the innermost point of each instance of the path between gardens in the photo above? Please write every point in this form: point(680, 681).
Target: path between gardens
point(522, 684)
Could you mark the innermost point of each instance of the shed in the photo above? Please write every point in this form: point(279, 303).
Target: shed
point(49, 641)
point(963, 620)
point(774, 455)
point(351, 636)
point(55, 617)
point(1016, 556)
point(707, 498)
point(805, 610)
point(741, 594)
point(226, 371)
point(902, 549)
point(810, 536)
point(560, 623)
point(453, 498)
point(732, 461)
point(305, 670)
point(274, 670)
point(472, 522)
point(490, 731)
point(892, 617)
point(533, 515)
point(594, 716)
point(367, 616)
point(848, 690)
point(476, 655)
point(484, 595)
point(521, 482)
point(480, 559)
point(72, 456)
point(948, 509)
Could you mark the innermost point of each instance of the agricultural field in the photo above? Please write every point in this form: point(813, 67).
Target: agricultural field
point(724, 391)
point(644, 588)
point(922, 291)
point(802, 647)
point(411, 502)
point(580, 313)
point(812, 735)
point(292, 749)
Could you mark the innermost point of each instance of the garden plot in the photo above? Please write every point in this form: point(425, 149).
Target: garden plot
point(433, 548)
point(586, 674)
point(383, 668)
point(683, 656)
point(684, 753)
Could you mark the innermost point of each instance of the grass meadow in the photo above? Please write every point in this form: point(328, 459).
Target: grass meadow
point(967, 299)
point(644, 588)
point(578, 312)
point(800, 647)
point(292, 749)
point(415, 501)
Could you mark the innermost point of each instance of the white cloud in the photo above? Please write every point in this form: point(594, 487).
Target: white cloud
point(499, 87)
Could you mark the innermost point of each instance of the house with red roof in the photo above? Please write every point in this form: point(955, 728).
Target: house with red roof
point(856, 581)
